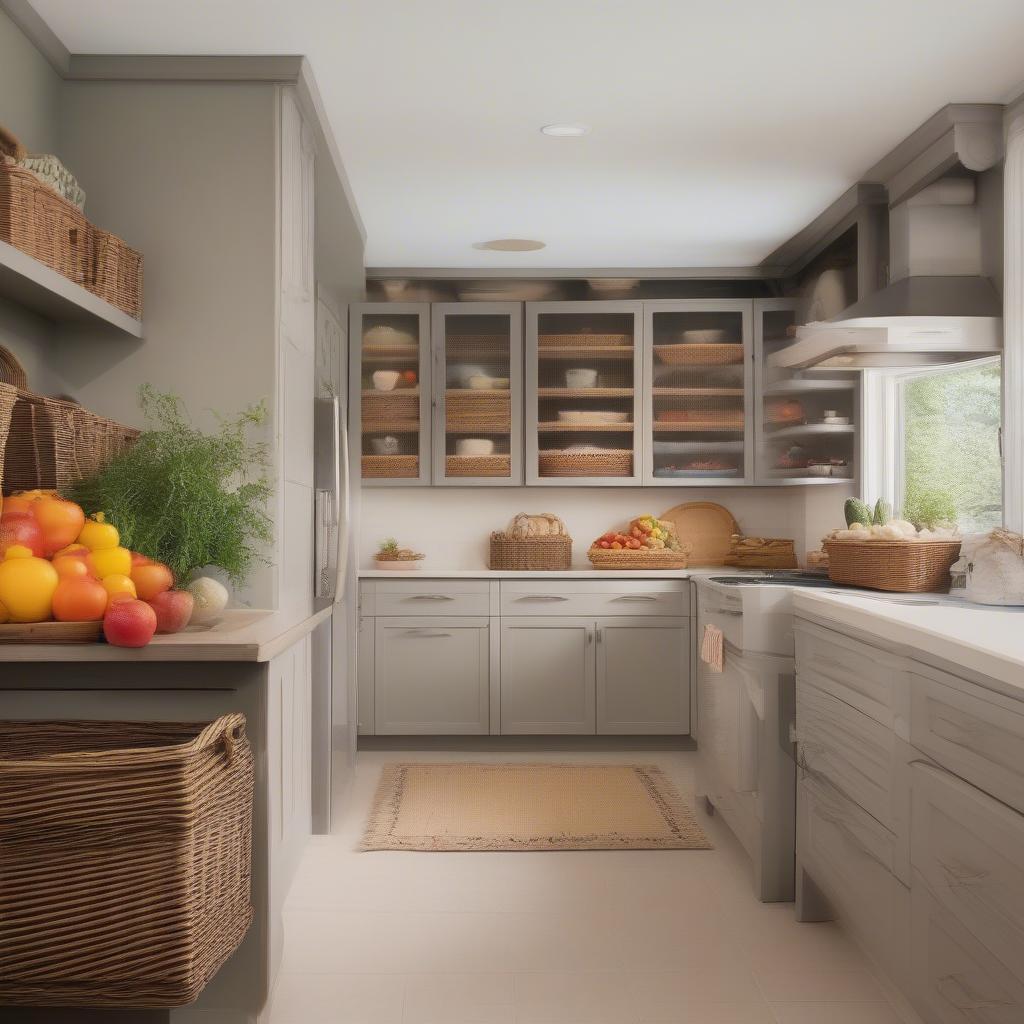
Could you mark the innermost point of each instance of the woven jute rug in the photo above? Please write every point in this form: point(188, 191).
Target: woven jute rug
point(530, 807)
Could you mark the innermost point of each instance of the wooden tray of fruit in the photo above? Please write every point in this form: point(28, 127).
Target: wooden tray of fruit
point(649, 543)
point(50, 632)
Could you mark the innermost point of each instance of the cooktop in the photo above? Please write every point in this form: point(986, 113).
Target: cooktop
point(789, 579)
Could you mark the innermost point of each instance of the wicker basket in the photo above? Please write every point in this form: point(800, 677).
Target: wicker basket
point(535, 554)
point(44, 225)
point(899, 566)
point(700, 355)
point(604, 558)
point(478, 465)
point(11, 371)
point(125, 859)
point(584, 340)
point(556, 462)
point(390, 467)
point(115, 272)
point(383, 409)
point(52, 444)
point(487, 411)
point(8, 398)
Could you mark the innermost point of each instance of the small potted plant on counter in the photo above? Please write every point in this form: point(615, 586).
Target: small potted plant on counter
point(390, 556)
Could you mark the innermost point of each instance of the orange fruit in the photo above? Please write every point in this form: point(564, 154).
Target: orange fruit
point(69, 567)
point(79, 600)
point(151, 580)
point(61, 522)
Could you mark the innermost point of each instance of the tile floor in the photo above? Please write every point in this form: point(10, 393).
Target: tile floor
point(636, 937)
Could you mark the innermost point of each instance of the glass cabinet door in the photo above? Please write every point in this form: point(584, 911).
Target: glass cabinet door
point(478, 387)
point(390, 389)
point(582, 393)
point(806, 419)
point(697, 392)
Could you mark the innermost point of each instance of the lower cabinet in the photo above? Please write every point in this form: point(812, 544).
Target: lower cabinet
point(547, 676)
point(431, 676)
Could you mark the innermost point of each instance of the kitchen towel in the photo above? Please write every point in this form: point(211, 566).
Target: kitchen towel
point(712, 648)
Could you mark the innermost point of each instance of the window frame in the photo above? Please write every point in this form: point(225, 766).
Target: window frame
point(882, 408)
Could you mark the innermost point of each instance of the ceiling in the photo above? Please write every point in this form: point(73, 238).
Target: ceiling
point(718, 129)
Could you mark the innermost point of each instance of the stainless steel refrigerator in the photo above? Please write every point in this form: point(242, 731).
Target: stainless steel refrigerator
point(334, 583)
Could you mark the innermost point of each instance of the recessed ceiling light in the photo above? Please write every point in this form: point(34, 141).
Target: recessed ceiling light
point(510, 245)
point(564, 130)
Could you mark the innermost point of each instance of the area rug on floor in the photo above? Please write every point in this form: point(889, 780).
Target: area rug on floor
point(530, 807)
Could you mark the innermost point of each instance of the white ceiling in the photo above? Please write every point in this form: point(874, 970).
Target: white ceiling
point(719, 129)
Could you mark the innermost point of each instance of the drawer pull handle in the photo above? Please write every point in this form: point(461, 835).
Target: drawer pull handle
point(431, 597)
point(421, 635)
point(636, 597)
point(542, 597)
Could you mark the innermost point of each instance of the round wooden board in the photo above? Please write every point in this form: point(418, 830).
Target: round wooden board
point(707, 526)
point(50, 632)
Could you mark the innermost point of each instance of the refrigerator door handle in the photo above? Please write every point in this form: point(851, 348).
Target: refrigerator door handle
point(342, 501)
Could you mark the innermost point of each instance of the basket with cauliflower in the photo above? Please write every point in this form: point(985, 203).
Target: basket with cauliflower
point(882, 553)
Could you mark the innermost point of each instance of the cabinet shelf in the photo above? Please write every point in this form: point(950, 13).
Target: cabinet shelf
point(693, 428)
point(799, 387)
point(584, 392)
point(660, 392)
point(477, 394)
point(557, 427)
point(621, 352)
point(391, 426)
point(811, 429)
point(31, 284)
point(393, 393)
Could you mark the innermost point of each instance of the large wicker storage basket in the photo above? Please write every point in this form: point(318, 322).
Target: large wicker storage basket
point(115, 272)
point(125, 859)
point(53, 444)
point(8, 396)
point(898, 566)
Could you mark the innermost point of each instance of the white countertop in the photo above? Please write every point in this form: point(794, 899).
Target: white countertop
point(243, 634)
point(984, 639)
point(557, 574)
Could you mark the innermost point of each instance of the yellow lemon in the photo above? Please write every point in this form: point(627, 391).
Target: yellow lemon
point(109, 561)
point(27, 585)
point(98, 534)
point(118, 583)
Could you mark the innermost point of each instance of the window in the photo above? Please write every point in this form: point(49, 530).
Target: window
point(946, 463)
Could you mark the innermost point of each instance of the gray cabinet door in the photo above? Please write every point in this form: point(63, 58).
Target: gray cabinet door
point(643, 676)
point(547, 676)
point(431, 676)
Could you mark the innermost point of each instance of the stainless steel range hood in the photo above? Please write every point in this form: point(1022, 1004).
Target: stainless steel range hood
point(940, 310)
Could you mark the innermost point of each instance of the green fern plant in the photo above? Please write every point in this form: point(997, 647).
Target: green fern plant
point(188, 498)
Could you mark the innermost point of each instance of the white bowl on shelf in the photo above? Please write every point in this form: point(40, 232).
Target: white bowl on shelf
point(474, 446)
point(819, 469)
point(705, 336)
point(385, 380)
point(836, 421)
point(385, 445)
point(581, 377)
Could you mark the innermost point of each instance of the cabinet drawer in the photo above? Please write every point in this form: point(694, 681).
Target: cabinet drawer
point(969, 849)
point(955, 979)
point(595, 598)
point(427, 597)
point(866, 677)
point(853, 752)
point(975, 734)
point(851, 857)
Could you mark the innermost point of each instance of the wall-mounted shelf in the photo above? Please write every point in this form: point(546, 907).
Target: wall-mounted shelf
point(31, 284)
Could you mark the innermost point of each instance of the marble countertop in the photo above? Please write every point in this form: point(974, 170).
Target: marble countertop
point(984, 639)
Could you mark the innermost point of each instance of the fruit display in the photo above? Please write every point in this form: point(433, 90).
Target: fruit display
point(55, 564)
point(867, 523)
point(645, 533)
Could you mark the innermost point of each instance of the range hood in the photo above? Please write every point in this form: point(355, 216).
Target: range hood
point(939, 310)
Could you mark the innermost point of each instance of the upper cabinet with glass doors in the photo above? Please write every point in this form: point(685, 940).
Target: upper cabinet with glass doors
point(697, 392)
point(390, 391)
point(583, 402)
point(478, 389)
point(806, 419)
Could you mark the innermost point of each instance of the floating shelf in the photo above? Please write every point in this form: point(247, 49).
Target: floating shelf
point(31, 284)
point(811, 429)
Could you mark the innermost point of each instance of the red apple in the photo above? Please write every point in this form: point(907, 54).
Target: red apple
point(129, 623)
point(173, 610)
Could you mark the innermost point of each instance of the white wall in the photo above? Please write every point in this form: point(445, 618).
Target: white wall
point(451, 526)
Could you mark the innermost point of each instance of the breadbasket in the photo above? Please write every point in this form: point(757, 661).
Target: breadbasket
point(898, 566)
point(605, 558)
point(520, 548)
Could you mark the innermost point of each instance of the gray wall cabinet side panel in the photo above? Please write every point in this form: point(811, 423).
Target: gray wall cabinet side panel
point(366, 669)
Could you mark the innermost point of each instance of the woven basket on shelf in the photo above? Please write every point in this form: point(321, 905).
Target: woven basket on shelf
point(125, 859)
point(530, 553)
point(388, 467)
point(52, 444)
point(8, 397)
point(899, 566)
point(115, 272)
point(488, 411)
point(382, 406)
point(11, 371)
point(44, 225)
point(556, 462)
point(700, 355)
point(478, 465)
point(604, 558)
point(584, 340)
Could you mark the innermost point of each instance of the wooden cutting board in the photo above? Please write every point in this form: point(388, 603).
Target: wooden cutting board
point(707, 526)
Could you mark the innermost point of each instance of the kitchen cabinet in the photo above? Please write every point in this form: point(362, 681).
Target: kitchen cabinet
point(643, 676)
point(697, 392)
point(805, 420)
point(547, 676)
point(390, 404)
point(583, 407)
point(478, 393)
point(431, 676)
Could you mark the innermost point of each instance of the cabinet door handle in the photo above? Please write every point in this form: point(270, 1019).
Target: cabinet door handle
point(590, 636)
point(421, 635)
point(636, 597)
point(542, 597)
point(600, 634)
point(431, 597)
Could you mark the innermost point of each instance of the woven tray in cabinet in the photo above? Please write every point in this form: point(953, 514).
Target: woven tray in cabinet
point(904, 567)
point(530, 553)
point(478, 465)
point(605, 558)
point(390, 467)
point(556, 462)
point(700, 355)
point(125, 859)
point(584, 340)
